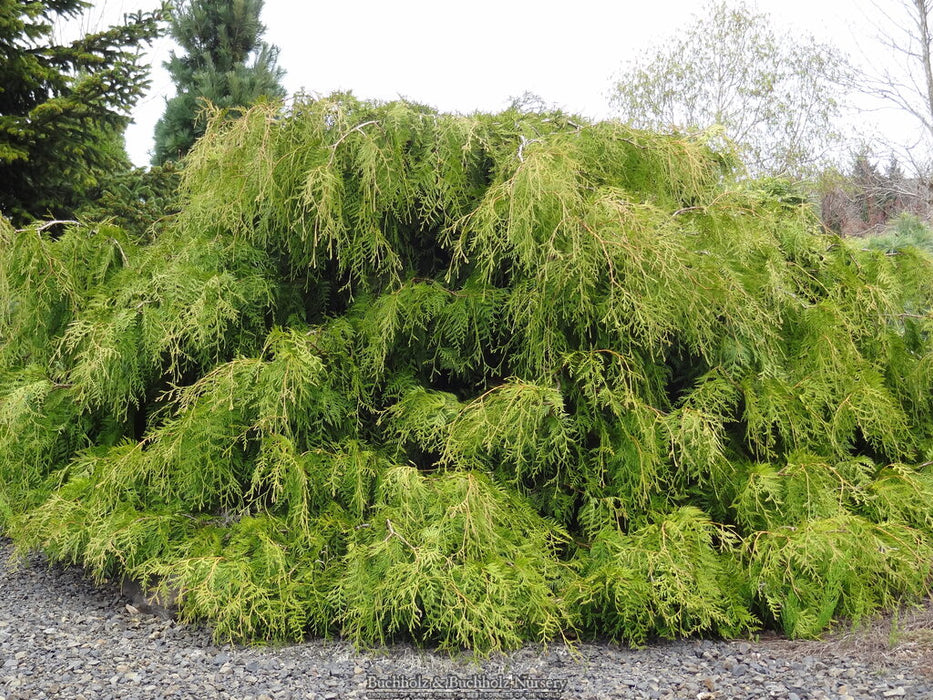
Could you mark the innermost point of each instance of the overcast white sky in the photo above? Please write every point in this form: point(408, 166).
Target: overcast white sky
point(467, 56)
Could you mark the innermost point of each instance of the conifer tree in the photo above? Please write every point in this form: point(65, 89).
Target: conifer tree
point(472, 381)
point(63, 108)
point(225, 62)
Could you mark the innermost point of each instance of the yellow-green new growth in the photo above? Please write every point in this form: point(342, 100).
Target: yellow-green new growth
point(472, 381)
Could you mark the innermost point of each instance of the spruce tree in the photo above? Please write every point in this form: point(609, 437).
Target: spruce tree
point(225, 63)
point(472, 380)
point(63, 108)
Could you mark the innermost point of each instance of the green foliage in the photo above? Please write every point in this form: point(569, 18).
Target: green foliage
point(136, 200)
point(226, 64)
point(664, 579)
point(906, 231)
point(63, 108)
point(454, 559)
point(471, 381)
point(838, 566)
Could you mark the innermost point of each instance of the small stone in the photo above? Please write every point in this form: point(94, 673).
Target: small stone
point(896, 693)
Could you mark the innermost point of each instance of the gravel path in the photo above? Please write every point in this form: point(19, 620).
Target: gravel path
point(62, 637)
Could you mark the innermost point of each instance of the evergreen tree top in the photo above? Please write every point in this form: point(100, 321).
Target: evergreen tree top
point(63, 107)
point(225, 62)
point(215, 35)
point(101, 65)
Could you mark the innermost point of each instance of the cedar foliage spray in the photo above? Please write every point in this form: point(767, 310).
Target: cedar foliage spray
point(472, 381)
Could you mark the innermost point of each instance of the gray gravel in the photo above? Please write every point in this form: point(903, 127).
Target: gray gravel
point(63, 637)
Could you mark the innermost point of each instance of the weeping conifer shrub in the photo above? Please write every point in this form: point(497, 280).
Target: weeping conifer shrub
point(472, 381)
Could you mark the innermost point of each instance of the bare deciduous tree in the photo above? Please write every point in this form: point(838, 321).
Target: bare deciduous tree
point(776, 96)
point(905, 80)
